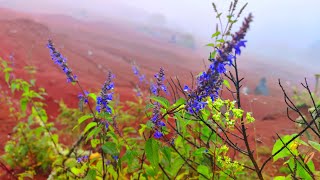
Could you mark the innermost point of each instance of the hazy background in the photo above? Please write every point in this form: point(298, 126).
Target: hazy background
point(286, 30)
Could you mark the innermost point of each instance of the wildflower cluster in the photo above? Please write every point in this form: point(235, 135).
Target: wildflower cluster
point(61, 61)
point(209, 82)
point(156, 88)
point(156, 120)
point(82, 159)
point(136, 72)
point(105, 95)
point(156, 115)
point(141, 77)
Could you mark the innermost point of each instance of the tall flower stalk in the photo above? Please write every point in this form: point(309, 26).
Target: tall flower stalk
point(61, 61)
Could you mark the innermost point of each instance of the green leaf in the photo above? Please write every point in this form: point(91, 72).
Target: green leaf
point(180, 101)
point(33, 82)
point(23, 104)
point(215, 34)
point(95, 131)
point(315, 145)
point(129, 156)
point(55, 138)
point(91, 175)
point(110, 148)
point(213, 55)
point(85, 117)
point(75, 170)
point(167, 153)
point(281, 178)
point(89, 126)
point(226, 83)
point(152, 152)
point(203, 170)
point(94, 142)
point(279, 144)
point(199, 151)
point(220, 40)
point(6, 77)
point(210, 45)
point(142, 129)
point(163, 101)
point(93, 96)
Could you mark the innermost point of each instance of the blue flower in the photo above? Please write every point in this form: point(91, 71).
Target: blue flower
point(142, 78)
point(79, 159)
point(161, 124)
point(186, 88)
point(157, 135)
point(220, 68)
point(135, 70)
point(154, 89)
point(83, 158)
point(115, 157)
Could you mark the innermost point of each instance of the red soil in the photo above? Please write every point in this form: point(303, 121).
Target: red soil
point(113, 46)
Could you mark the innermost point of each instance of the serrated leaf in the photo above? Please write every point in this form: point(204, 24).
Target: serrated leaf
point(152, 152)
point(163, 101)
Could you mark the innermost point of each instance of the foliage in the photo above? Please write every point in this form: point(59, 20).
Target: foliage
point(194, 134)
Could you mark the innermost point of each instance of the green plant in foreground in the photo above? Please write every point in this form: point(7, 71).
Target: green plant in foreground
point(195, 134)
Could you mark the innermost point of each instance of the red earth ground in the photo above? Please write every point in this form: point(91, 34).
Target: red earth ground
point(113, 46)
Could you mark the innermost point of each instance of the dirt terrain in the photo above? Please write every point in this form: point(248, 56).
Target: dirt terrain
point(93, 48)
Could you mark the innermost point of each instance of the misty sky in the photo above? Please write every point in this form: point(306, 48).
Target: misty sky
point(281, 28)
point(291, 25)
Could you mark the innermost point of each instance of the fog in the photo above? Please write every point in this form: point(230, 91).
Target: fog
point(286, 29)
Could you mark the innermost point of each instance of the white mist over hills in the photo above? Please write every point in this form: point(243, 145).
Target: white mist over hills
point(284, 30)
